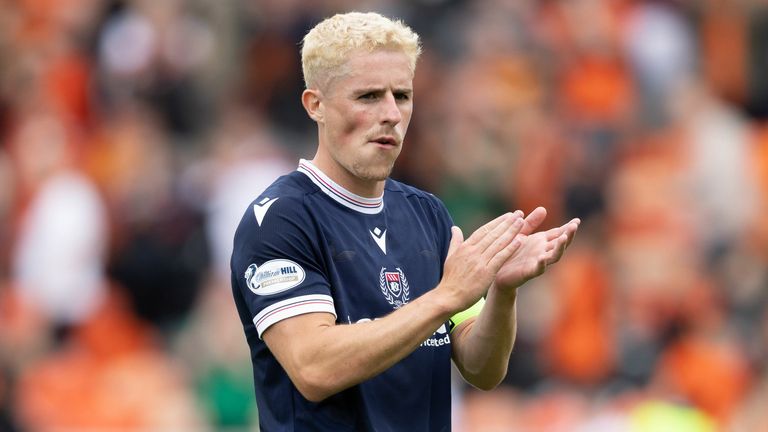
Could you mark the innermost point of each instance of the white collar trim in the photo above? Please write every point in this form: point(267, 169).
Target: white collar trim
point(338, 193)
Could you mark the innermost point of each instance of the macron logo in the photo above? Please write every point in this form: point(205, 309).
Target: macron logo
point(260, 208)
point(380, 237)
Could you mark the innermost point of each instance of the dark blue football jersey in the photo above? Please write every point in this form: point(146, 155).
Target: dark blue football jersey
point(308, 245)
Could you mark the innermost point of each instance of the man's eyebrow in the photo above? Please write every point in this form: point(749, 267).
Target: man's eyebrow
point(366, 90)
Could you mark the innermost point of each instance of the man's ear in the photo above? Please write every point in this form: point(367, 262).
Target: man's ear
point(311, 99)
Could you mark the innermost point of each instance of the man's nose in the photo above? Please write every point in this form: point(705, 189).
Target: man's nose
point(391, 114)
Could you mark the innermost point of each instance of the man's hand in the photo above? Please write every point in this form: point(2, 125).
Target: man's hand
point(537, 250)
point(482, 345)
point(472, 264)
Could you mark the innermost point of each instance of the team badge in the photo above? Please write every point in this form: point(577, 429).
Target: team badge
point(394, 287)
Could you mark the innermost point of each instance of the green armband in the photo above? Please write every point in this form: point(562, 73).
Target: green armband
point(465, 315)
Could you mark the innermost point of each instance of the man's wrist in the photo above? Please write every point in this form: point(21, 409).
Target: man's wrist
point(505, 294)
point(444, 301)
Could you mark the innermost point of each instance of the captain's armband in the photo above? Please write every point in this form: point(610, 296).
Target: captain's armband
point(465, 315)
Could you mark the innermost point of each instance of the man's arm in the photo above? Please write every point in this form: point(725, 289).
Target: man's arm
point(323, 358)
point(482, 345)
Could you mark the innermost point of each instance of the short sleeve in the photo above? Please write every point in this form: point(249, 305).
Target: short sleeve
point(443, 224)
point(276, 263)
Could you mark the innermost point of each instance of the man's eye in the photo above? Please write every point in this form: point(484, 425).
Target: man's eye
point(402, 96)
point(368, 96)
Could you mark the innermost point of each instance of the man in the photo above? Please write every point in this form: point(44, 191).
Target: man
point(355, 290)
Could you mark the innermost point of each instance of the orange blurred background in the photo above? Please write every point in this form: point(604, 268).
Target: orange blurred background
point(134, 133)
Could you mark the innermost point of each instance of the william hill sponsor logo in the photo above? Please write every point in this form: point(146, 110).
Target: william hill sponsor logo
point(274, 276)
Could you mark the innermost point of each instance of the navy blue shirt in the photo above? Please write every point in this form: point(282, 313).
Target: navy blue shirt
point(307, 245)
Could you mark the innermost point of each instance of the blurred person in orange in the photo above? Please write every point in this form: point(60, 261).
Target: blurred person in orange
point(355, 291)
point(112, 375)
point(707, 370)
point(580, 346)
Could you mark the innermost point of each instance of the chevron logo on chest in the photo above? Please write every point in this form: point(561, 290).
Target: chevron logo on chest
point(380, 237)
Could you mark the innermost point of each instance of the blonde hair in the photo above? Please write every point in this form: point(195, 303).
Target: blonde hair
point(327, 46)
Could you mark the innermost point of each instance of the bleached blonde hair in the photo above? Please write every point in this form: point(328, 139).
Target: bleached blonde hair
point(327, 46)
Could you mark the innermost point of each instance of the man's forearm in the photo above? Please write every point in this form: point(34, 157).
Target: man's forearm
point(482, 347)
point(334, 357)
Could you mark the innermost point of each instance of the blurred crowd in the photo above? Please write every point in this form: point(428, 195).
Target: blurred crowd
point(134, 133)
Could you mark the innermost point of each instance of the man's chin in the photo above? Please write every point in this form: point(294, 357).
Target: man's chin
point(373, 173)
point(375, 176)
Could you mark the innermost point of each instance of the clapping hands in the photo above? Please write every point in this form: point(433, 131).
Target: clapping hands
point(537, 250)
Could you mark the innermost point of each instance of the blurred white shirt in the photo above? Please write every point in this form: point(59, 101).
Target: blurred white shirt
point(58, 260)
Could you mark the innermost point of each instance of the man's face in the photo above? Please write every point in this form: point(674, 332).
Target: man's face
point(366, 114)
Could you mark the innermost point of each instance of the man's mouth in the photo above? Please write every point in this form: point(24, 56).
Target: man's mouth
point(386, 141)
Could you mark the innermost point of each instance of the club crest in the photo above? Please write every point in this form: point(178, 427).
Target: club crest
point(394, 287)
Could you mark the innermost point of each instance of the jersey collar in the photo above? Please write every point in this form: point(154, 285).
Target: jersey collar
point(338, 193)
